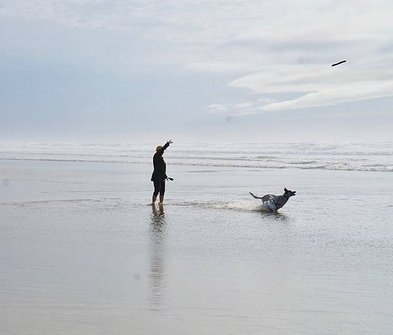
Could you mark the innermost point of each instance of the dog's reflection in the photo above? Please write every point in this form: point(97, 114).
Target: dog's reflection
point(280, 217)
point(157, 256)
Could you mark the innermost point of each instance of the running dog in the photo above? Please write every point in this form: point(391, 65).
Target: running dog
point(272, 202)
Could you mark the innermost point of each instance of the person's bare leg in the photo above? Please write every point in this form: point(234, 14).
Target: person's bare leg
point(161, 199)
point(153, 199)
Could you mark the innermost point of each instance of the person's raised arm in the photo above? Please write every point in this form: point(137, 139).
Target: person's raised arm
point(166, 145)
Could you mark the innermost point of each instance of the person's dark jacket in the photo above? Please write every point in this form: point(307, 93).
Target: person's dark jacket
point(159, 173)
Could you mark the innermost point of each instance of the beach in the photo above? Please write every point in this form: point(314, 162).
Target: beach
point(82, 250)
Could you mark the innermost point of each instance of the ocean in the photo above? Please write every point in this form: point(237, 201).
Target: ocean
point(322, 156)
point(82, 250)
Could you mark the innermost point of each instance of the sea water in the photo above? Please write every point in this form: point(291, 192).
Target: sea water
point(322, 156)
point(83, 252)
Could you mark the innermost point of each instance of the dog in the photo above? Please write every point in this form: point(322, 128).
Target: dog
point(272, 202)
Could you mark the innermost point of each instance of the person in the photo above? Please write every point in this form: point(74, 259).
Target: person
point(159, 174)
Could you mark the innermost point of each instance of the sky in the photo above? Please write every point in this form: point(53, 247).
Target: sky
point(119, 70)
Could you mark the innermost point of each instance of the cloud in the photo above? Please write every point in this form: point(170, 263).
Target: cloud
point(219, 67)
point(217, 109)
point(333, 96)
point(234, 109)
point(277, 51)
point(317, 85)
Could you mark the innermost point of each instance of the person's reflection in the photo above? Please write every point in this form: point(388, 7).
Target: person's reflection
point(157, 270)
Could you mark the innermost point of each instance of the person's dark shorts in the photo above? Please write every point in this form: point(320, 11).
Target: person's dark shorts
point(159, 187)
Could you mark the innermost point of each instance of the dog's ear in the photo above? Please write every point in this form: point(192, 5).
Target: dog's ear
point(285, 189)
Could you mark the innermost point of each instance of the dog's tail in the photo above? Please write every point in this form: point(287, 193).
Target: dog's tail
point(254, 196)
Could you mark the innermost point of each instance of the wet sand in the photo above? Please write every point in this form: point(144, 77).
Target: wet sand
point(83, 252)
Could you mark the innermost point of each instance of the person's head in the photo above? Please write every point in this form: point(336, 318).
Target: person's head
point(159, 149)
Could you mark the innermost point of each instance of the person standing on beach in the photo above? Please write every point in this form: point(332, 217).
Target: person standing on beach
point(159, 174)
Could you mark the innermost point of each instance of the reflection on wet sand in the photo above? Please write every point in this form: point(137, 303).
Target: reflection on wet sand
point(157, 251)
point(281, 217)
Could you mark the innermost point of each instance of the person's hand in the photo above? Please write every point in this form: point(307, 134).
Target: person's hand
point(170, 142)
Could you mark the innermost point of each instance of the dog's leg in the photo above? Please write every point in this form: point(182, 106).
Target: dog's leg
point(271, 206)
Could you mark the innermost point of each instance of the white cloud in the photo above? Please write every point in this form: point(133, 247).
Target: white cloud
point(235, 109)
point(331, 96)
point(217, 109)
point(268, 47)
point(219, 67)
point(318, 86)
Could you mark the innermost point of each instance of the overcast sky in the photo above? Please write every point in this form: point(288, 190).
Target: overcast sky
point(80, 70)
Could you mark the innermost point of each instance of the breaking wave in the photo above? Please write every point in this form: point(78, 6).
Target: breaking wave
point(341, 157)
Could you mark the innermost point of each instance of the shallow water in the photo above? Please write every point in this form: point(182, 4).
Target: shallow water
point(82, 252)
